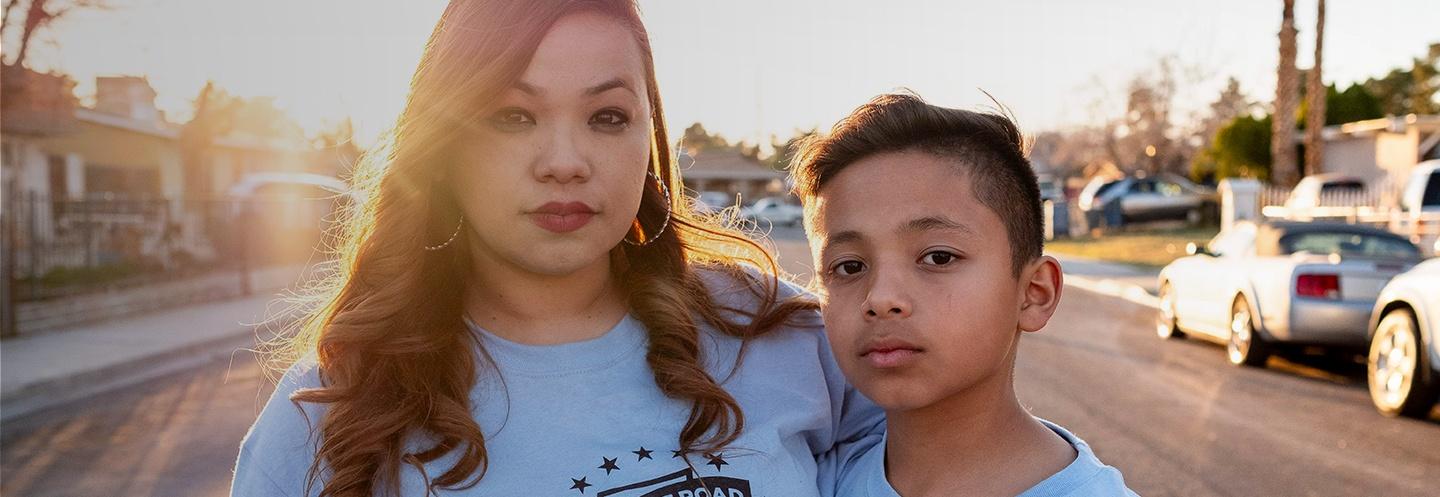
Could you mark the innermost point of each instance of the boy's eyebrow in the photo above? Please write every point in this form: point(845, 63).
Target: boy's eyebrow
point(848, 236)
point(942, 223)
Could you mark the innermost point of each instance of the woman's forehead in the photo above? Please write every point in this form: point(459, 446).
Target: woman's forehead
point(585, 54)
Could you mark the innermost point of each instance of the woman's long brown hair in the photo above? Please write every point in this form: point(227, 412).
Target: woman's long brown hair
point(386, 327)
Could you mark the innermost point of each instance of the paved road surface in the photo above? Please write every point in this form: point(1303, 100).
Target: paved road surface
point(1173, 416)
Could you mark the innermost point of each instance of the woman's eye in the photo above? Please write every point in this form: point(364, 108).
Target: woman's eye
point(938, 258)
point(512, 120)
point(848, 268)
point(610, 120)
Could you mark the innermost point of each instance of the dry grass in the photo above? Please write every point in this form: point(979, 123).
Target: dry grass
point(1152, 248)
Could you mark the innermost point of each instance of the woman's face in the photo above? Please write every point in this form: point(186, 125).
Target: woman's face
point(550, 176)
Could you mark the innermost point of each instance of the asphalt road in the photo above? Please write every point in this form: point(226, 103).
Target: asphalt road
point(1173, 416)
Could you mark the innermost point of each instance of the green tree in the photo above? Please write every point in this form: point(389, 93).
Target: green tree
point(1410, 91)
point(1240, 149)
point(783, 152)
point(1354, 104)
point(696, 138)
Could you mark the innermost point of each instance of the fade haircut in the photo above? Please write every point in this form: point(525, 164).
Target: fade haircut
point(987, 146)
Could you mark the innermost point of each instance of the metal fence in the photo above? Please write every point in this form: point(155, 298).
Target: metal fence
point(65, 246)
point(1371, 206)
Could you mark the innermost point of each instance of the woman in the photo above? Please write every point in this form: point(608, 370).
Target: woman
point(524, 309)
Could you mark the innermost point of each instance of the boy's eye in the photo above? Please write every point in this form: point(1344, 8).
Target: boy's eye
point(611, 120)
point(848, 268)
point(511, 120)
point(938, 258)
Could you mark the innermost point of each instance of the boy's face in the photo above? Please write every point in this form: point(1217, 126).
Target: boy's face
point(920, 301)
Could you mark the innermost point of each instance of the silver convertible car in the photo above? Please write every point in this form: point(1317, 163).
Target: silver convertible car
point(1404, 361)
point(1259, 285)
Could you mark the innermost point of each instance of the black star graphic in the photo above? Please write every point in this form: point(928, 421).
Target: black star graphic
point(608, 465)
point(642, 453)
point(579, 484)
point(676, 453)
point(716, 460)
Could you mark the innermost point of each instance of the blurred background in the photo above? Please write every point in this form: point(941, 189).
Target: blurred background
point(1255, 182)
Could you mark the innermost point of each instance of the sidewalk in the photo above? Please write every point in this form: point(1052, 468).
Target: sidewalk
point(1136, 284)
point(46, 369)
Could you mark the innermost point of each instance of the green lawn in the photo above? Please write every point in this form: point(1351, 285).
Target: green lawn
point(1148, 248)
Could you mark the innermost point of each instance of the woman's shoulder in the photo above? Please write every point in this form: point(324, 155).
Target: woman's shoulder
point(746, 290)
point(280, 447)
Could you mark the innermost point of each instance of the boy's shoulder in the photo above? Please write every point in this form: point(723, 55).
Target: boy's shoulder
point(863, 474)
point(1086, 476)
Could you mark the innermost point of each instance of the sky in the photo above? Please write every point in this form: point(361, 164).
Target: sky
point(750, 69)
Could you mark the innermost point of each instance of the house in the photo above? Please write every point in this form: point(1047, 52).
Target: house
point(1382, 151)
point(732, 173)
point(95, 185)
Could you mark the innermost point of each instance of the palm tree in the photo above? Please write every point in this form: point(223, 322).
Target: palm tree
point(1315, 118)
point(1282, 146)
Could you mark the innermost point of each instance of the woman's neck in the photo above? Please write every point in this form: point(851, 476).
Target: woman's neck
point(538, 309)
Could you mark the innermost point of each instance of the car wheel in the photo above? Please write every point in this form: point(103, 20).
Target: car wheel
point(1401, 383)
point(1166, 325)
point(1245, 347)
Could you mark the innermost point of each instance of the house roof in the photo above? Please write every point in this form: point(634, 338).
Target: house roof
point(1391, 124)
point(724, 164)
point(125, 123)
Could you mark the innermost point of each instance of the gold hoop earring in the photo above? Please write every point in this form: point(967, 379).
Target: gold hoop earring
point(665, 190)
point(453, 236)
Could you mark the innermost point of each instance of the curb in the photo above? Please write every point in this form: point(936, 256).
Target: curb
point(1125, 291)
point(57, 391)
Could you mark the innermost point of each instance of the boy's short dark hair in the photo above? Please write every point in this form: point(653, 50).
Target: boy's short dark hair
point(988, 146)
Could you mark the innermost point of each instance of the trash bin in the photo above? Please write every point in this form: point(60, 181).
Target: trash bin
point(1057, 220)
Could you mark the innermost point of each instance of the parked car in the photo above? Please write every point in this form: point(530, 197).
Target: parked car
point(1050, 188)
point(712, 202)
point(1326, 190)
point(1257, 286)
point(1403, 366)
point(1136, 199)
point(774, 211)
point(1420, 206)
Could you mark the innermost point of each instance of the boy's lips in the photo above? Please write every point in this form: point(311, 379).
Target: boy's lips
point(890, 352)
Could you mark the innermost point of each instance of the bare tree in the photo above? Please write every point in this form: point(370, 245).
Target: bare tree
point(41, 14)
point(1282, 147)
point(1315, 89)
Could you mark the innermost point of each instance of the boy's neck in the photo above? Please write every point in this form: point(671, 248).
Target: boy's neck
point(979, 441)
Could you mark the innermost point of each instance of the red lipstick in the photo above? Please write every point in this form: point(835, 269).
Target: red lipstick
point(562, 217)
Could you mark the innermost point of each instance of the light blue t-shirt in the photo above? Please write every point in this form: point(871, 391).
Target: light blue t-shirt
point(586, 419)
point(1086, 476)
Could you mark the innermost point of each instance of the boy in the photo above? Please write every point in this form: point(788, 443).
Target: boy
point(925, 227)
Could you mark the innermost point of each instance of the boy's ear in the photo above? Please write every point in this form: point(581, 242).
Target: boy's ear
point(1040, 286)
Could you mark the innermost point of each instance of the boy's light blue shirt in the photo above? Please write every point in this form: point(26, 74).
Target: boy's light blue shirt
point(587, 419)
point(1086, 476)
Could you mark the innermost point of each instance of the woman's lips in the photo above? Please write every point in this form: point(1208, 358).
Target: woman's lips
point(562, 217)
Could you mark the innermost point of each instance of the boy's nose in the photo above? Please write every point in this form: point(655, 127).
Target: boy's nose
point(886, 305)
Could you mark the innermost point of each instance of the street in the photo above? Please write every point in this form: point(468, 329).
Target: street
point(1173, 416)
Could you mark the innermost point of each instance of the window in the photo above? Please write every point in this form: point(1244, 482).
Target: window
point(1431, 198)
point(1349, 244)
point(121, 180)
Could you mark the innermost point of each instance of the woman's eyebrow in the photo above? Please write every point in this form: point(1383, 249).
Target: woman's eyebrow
point(611, 84)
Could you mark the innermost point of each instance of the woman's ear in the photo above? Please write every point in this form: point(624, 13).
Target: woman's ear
point(1040, 285)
